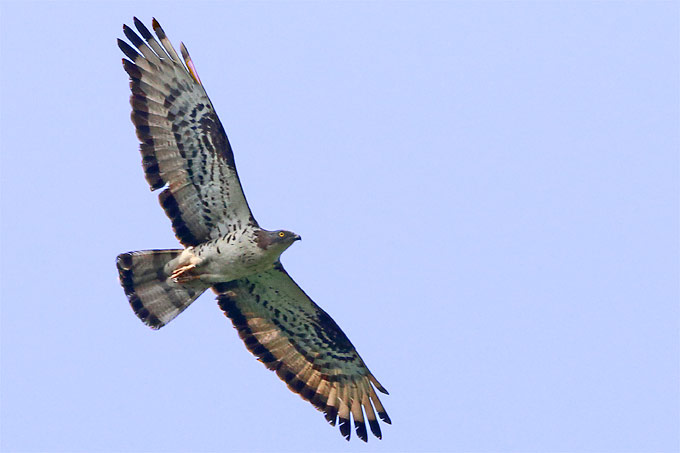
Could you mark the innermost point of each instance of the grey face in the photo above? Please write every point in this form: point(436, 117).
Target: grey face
point(280, 239)
point(284, 237)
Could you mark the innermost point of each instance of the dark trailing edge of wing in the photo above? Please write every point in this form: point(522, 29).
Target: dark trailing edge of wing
point(180, 227)
point(345, 428)
point(158, 83)
point(152, 174)
point(228, 305)
point(330, 334)
point(140, 118)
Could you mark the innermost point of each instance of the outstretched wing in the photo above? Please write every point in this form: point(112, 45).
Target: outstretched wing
point(293, 336)
point(184, 146)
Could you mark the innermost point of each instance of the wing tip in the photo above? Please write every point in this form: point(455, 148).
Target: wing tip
point(146, 34)
point(132, 36)
point(189, 62)
point(375, 428)
point(132, 70)
point(377, 384)
point(345, 428)
point(360, 428)
point(384, 417)
point(325, 397)
point(157, 28)
point(127, 50)
point(331, 415)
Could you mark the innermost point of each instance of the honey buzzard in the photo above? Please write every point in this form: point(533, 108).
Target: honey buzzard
point(185, 152)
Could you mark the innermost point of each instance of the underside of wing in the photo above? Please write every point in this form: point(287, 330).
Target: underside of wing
point(183, 144)
point(293, 336)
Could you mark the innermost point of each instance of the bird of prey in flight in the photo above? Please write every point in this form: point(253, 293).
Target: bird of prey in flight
point(186, 153)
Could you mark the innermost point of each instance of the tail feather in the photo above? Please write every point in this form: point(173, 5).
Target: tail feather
point(155, 299)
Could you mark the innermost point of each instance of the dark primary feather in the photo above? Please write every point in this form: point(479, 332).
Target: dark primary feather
point(293, 336)
point(183, 143)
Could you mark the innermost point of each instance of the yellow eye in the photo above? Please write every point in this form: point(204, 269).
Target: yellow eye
point(281, 234)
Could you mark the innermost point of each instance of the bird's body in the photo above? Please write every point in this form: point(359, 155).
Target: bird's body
point(185, 152)
point(230, 257)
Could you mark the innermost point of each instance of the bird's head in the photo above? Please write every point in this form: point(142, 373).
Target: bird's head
point(278, 240)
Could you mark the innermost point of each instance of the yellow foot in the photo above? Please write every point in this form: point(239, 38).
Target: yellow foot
point(183, 274)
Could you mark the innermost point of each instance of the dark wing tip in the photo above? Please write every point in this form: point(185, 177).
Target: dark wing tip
point(146, 34)
point(377, 384)
point(331, 414)
point(132, 69)
point(360, 428)
point(375, 428)
point(345, 429)
point(384, 417)
point(157, 28)
point(128, 50)
point(132, 36)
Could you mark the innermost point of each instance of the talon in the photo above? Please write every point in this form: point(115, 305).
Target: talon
point(183, 275)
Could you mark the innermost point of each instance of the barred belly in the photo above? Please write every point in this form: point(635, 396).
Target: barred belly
point(227, 258)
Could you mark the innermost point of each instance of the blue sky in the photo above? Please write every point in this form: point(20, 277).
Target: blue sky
point(488, 195)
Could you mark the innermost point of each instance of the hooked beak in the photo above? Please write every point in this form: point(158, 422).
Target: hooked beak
point(297, 237)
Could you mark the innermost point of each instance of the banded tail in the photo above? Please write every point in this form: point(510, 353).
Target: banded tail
point(153, 296)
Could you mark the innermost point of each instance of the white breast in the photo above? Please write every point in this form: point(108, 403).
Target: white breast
point(230, 257)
